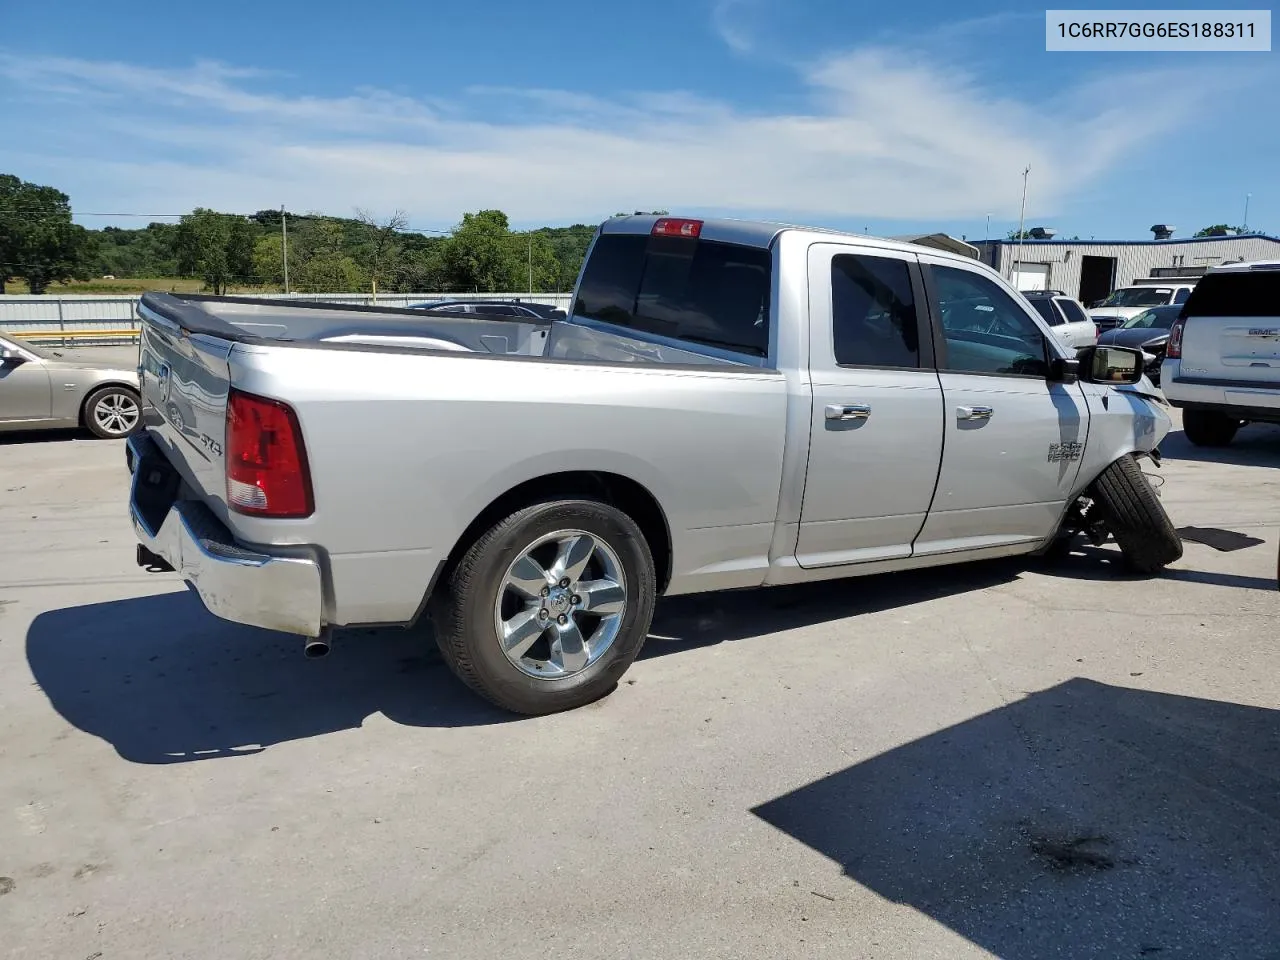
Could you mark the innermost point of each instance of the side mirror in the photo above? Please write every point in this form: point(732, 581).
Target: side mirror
point(1107, 364)
point(1062, 370)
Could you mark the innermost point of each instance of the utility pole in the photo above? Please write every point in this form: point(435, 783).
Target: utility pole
point(531, 263)
point(1022, 221)
point(1244, 224)
point(284, 246)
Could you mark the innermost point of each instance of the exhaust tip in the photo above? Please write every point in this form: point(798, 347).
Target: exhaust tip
point(315, 648)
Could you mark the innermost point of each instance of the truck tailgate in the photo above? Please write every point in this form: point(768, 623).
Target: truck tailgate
point(184, 379)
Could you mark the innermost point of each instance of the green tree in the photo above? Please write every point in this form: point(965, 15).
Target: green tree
point(479, 256)
point(382, 249)
point(268, 261)
point(535, 265)
point(217, 247)
point(38, 241)
point(1217, 230)
point(324, 264)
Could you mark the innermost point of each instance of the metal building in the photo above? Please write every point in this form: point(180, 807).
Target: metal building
point(1091, 269)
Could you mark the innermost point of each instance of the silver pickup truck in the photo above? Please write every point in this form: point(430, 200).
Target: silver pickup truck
point(728, 404)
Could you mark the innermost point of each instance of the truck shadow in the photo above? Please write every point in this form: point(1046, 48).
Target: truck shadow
point(1084, 820)
point(163, 681)
point(699, 620)
point(1102, 563)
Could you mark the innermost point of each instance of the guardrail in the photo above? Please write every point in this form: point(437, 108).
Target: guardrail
point(106, 318)
point(47, 336)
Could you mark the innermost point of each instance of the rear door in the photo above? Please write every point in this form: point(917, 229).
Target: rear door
point(1013, 439)
point(876, 420)
point(1232, 331)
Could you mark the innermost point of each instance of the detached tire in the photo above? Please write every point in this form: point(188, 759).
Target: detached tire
point(1208, 428)
point(549, 607)
point(1136, 518)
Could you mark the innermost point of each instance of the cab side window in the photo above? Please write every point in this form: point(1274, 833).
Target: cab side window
point(985, 330)
point(873, 312)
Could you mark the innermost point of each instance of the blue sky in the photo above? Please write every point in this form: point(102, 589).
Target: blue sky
point(889, 116)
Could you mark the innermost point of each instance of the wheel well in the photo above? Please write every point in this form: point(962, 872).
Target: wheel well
point(619, 491)
point(84, 404)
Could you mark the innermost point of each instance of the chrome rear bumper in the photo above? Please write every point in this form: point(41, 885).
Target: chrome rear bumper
point(235, 583)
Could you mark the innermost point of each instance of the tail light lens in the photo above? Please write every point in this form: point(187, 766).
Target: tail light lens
point(267, 473)
point(1174, 349)
point(676, 227)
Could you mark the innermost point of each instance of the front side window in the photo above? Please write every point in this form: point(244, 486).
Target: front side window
point(985, 330)
point(873, 312)
point(701, 291)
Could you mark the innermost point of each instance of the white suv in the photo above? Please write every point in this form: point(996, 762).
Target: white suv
point(1222, 365)
point(1127, 302)
point(1066, 315)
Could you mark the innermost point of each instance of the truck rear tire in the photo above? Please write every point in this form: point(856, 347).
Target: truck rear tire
point(1208, 428)
point(549, 607)
point(1136, 518)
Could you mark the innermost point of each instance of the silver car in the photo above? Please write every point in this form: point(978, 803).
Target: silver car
point(43, 389)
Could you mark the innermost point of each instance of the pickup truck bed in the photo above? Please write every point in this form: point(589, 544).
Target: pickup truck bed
point(727, 405)
point(397, 479)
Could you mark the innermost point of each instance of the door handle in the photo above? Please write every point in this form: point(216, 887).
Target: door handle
point(848, 411)
point(974, 413)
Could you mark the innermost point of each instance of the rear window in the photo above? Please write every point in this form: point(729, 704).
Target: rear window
point(1075, 313)
point(1253, 294)
point(1045, 309)
point(700, 291)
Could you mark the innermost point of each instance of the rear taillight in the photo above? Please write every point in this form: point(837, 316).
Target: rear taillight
point(267, 473)
point(1174, 349)
point(675, 227)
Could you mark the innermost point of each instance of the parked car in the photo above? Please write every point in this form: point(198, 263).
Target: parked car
point(494, 308)
point(730, 404)
point(1066, 315)
point(1222, 363)
point(1147, 331)
point(44, 389)
point(1127, 302)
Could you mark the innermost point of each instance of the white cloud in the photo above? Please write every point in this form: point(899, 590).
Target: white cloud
point(885, 135)
point(728, 26)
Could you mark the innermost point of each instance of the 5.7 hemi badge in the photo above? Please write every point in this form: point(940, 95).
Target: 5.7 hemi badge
point(1065, 451)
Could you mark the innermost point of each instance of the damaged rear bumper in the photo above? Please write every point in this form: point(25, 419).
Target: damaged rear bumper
point(236, 583)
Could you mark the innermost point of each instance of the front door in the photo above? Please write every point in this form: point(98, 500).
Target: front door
point(1014, 439)
point(876, 420)
point(25, 393)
